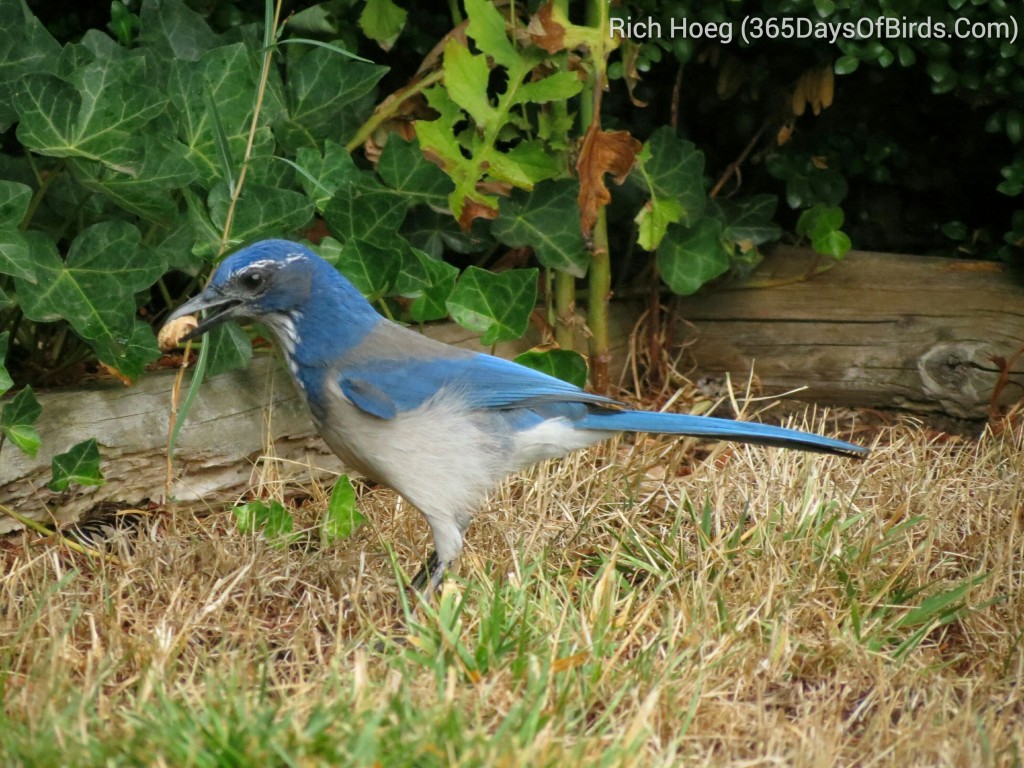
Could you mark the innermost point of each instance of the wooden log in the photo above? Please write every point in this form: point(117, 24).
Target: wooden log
point(883, 330)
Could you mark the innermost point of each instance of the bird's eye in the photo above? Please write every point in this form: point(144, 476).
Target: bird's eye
point(252, 281)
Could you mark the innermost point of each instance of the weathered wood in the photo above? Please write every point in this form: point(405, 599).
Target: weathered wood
point(878, 329)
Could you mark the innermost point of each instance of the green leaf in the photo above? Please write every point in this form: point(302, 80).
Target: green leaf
point(260, 212)
point(96, 116)
point(751, 219)
point(434, 232)
point(123, 23)
point(16, 420)
point(560, 86)
point(403, 167)
point(564, 364)
point(846, 65)
point(525, 164)
point(688, 257)
point(547, 220)
point(466, 76)
point(833, 243)
point(272, 517)
point(382, 20)
point(487, 28)
point(15, 255)
point(230, 349)
point(5, 378)
point(431, 302)
point(322, 87)
point(175, 31)
point(498, 306)
point(439, 141)
point(80, 465)
point(822, 224)
point(320, 175)
point(149, 191)
point(94, 289)
point(366, 213)
point(224, 77)
point(371, 268)
point(14, 200)
point(672, 170)
point(25, 47)
point(342, 516)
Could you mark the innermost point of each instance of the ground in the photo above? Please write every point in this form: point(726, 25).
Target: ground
point(647, 602)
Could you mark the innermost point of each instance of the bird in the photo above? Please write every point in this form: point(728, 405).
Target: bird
point(439, 424)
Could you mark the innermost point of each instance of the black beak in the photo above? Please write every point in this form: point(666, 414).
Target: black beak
point(219, 309)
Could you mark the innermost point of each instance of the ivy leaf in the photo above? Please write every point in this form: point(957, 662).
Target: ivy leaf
point(223, 78)
point(260, 211)
point(96, 116)
point(322, 87)
point(94, 289)
point(822, 224)
point(403, 167)
point(320, 174)
point(545, 220)
point(176, 32)
point(230, 349)
point(688, 257)
point(431, 302)
point(5, 378)
point(498, 306)
point(672, 170)
point(371, 268)
point(434, 232)
point(162, 169)
point(365, 213)
point(342, 516)
point(25, 47)
point(750, 220)
point(14, 201)
point(17, 418)
point(80, 465)
point(382, 20)
point(272, 517)
point(564, 364)
point(15, 257)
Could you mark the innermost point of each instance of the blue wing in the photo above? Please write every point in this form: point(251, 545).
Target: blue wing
point(388, 387)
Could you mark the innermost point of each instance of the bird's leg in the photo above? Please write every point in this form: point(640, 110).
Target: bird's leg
point(430, 576)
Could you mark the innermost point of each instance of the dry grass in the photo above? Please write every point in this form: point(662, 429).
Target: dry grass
point(639, 604)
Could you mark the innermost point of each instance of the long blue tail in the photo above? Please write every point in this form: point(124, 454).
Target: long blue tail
point(721, 429)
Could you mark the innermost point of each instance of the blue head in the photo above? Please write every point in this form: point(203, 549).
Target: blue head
point(311, 309)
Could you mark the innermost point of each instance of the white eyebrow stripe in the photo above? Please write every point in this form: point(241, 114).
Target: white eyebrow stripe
point(276, 263)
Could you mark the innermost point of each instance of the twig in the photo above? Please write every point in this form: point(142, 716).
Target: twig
point(733, 169)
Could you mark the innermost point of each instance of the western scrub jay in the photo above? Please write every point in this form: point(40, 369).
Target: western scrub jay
point(439, 424)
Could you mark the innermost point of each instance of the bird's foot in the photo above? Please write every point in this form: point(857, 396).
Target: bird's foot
point(430, 576)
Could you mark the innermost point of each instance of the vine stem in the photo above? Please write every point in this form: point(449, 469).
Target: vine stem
point(390, 106)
